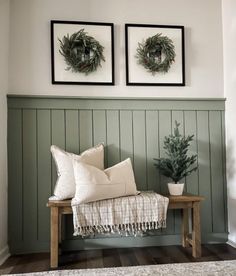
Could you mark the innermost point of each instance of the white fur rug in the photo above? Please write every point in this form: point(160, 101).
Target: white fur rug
point(226, 268)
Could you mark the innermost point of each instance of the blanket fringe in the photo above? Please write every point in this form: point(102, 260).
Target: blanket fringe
point(121, 229)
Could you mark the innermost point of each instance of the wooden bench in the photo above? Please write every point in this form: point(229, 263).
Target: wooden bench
point(185, 202)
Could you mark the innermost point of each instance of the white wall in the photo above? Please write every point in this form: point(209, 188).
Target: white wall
point(30, 61)
point(4, 34)
point(229, 38)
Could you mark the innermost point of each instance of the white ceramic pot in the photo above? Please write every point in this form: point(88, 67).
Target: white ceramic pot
point(176, 189)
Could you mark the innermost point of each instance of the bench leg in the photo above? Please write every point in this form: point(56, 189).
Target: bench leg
point(59, 233)
point(54, 236)
point(185, 227)
point(196, 234)
point(60, 228)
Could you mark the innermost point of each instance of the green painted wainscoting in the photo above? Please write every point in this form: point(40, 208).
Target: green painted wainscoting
point(129, 128)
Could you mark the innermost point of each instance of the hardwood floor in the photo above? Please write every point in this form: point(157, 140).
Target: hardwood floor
point(117, 257)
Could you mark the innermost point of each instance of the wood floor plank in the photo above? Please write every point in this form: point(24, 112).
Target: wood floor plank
point(74, 260)
point(161, 256)
point(32, 263)
point(206, 255)
point(9, 264)
point(40, 262)
point(94, 258)
point(111, 258)
point(127, 257)
point(157, 251)
point(143, 256)
point(222, 251)
point(177, 256)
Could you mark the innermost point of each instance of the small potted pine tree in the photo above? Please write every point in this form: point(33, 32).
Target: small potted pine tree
point(177, 163)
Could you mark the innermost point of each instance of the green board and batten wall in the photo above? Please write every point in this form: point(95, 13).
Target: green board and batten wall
point(129, 128)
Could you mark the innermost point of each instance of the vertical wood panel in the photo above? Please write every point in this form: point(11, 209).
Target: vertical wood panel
point(224, 169)
point(100, 130)
point(126, 135)
point(204, 170)
point(140, 160)
point(85, 129)
point(216, 171)
point(30, 188)
point(178, 116)
point(72, 131)
point(99, 127)
point(15, 189)
point(153, 176)
point(191, 129)
point(44, 172)
point(57, 136)
point(71, 145)
point(113, 138)
point(165, 130)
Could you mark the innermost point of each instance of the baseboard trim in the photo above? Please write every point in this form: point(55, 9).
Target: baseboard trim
point(110, 242)
point(233, 244)
point(122, 242)
point(4, 254)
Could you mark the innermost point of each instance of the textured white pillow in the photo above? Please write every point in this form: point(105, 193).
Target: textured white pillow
point(65, 185)
point(93, 184)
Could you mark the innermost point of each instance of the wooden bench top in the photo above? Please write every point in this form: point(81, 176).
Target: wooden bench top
point(172, 199)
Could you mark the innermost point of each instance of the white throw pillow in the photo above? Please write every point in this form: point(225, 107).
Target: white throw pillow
point(65, 185)
point(93, 184)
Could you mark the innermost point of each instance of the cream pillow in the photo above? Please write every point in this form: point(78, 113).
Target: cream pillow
point(65, 185)
point(93, 184)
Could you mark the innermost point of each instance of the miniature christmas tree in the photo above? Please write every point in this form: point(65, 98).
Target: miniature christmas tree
point(177, 164)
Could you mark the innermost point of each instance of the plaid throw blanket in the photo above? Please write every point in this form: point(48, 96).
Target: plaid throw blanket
point(129, 215)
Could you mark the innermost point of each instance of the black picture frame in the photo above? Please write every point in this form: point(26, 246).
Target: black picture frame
point(104, 32)
point(136, 74)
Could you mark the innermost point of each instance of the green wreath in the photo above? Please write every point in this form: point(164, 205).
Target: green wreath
point(82, 53)
point(156, 54)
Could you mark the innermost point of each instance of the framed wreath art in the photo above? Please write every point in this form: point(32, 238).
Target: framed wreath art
point(82, 53)
point(154, 55)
